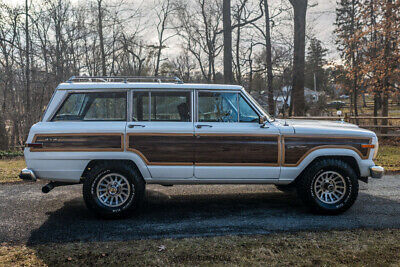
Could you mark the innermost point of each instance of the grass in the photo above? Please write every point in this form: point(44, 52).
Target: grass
point(10, 168)
point(388, 157)
point(351, 247)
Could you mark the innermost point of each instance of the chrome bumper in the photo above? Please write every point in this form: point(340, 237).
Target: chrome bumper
point(28, 175)
point(376, 171)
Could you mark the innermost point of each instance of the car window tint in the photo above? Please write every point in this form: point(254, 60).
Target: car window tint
point(170, 106)
point(141, 107)
point(217, 107)
point(247, 113)
point(96, 106)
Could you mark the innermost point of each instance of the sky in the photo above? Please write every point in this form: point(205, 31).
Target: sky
point(320, 19)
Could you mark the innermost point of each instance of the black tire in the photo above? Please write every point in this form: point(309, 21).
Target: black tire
point(306, 186)
point(133, 200)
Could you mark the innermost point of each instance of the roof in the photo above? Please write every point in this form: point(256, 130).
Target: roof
point(144, 85)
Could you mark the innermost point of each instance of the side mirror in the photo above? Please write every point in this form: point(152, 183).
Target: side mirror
point(263, 121)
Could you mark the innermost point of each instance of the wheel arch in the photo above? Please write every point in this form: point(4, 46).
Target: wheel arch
point(290, 174)
point(348, 159)
point(130, 162)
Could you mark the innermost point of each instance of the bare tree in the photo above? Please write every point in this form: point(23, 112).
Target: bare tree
point(200, 27)
point(297, 105)
point(163, 15)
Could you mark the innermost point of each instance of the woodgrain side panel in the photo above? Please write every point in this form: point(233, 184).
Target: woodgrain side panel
point(79, 142)
point(206, 149)
point(163, 149)
point(296, 148)
point(259, 150)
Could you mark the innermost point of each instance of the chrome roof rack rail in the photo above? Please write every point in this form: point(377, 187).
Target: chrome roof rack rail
point(124, 79)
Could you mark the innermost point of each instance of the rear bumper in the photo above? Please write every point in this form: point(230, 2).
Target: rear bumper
point(27, 175)
point(376, 172)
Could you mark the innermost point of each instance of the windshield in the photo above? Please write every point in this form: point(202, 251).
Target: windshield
point(259, 107)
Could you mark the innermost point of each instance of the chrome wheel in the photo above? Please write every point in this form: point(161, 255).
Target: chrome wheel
point(113, 190)
point(330, 187)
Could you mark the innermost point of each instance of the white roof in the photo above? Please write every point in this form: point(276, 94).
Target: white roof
point(144, 85)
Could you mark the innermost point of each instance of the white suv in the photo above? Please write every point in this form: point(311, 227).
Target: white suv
point(116, 134)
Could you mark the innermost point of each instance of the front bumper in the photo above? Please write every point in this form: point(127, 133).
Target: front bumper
point(376, 172)
point(27, 175)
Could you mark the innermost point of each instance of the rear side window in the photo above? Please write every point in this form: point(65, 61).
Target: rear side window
point(162, 106)
point(96, 106)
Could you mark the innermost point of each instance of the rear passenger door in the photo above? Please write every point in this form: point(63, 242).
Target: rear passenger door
point(161, 132)
point(230, 144)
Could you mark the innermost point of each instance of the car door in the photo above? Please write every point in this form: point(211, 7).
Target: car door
point(230, 142)
point(161, 131)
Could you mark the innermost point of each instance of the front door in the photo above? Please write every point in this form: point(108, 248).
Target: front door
point(229, 140)
point(161, 132)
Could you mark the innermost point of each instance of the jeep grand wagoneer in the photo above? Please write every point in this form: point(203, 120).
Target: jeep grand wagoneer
point(117, 134)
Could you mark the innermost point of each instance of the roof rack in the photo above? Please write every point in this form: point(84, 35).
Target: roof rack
point(124, 79)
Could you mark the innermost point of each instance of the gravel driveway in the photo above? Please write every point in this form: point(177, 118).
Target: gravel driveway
point(28, 216)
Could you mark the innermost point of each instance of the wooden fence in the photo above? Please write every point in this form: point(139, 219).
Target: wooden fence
point(391, 129)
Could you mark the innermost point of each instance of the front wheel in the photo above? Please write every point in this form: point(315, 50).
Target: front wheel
point(113, 190)
point(328, 186)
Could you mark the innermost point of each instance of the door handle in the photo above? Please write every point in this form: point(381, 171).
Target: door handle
point(135, 125)
point(203, 125)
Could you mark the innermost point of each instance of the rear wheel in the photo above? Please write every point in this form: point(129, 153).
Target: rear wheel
point(113, 189)
point(328, 186)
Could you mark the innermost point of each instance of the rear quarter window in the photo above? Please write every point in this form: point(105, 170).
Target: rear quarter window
point(93, 106)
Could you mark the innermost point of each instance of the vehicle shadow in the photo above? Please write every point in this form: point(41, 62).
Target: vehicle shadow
point(176, 215)
point(163, 214)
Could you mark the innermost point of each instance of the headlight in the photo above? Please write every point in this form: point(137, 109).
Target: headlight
point(376, 150)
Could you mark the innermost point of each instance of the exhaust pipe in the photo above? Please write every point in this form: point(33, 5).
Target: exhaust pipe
point(50, 186)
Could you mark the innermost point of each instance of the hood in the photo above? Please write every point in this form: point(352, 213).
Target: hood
point(340, 124)
point(324, 127)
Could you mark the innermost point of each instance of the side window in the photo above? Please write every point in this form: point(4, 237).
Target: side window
point(170, 106)
point(163, 106)
point(218, 107)
point(96, 106)
point(141, 107)
point(246, 112)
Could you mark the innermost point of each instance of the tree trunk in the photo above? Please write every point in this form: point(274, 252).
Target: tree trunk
point(158, 59)
point(228, 76)
point(385, 111)
point(239, 71)
point(268, 48)
point(364, 102)
point(27, 66)
point(376, 106)
point(298, 101)
point(101, 37)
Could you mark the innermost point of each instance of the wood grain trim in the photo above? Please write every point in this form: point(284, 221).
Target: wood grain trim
point(244, 164)
point(158, 163)
point(323, 147)
point(66, 149)
point(140, 154)
point(203, 164)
